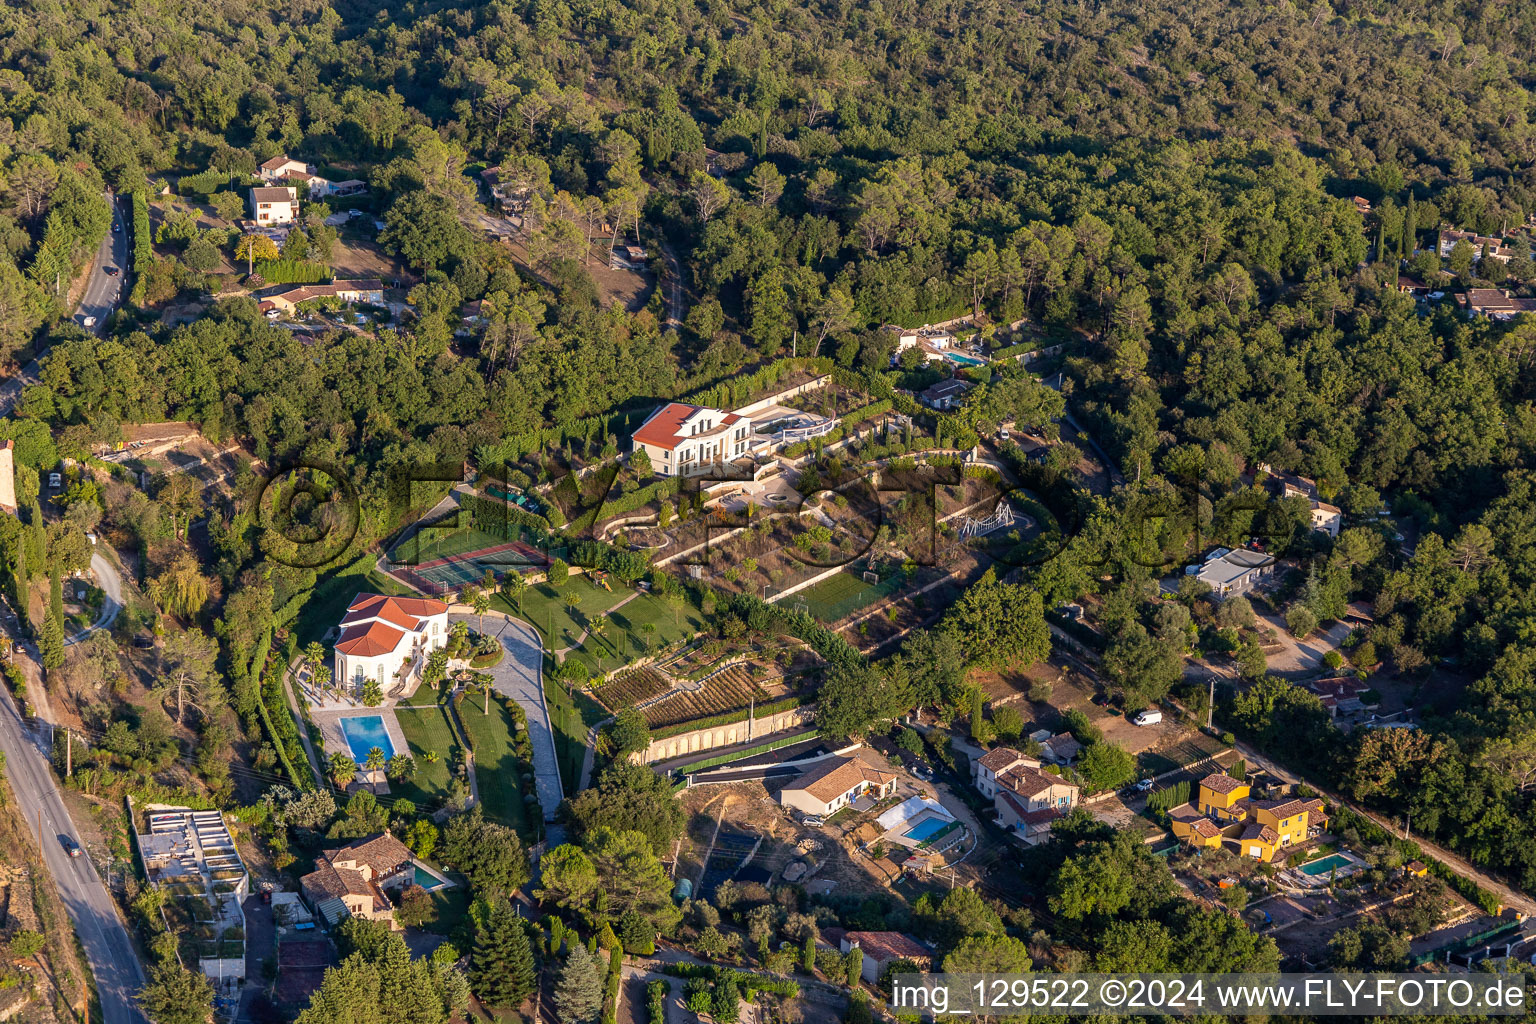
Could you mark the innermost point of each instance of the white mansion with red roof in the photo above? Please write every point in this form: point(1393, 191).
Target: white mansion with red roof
point(683, 440)
point(382, 635)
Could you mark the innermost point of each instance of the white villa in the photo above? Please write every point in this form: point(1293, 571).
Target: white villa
point(382, 636)
point(682, 440)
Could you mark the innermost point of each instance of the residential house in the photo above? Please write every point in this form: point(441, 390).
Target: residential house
point(1224, 812)
point(1230, 573)
point(1341, 693)
point(834, 783)
point(1062, 748)
point(986, 768)
point(1028, 800)
point(1494, 303)
point(685, 440)
point(946, 394)
point(282, 168)
point(385, 636)
point(1481, 245)
point(882, 949)
point(369, 290)
point(1221, 797)
point(351, 880)
point(1327, 518)
point(1362, 205)
point(274, 205)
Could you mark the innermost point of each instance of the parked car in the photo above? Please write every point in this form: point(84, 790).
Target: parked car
point(814, 821)
point(89, 321)
point(1144, 785)
point(923, 772)
point(1151, 716)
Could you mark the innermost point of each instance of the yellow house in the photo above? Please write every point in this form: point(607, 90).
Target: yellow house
point(1223, 797)
point(1196, 831)
point(1292, 819)
point(1260, 842)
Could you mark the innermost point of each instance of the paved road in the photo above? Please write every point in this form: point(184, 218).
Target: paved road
point(102, 295)
point(119, 976)
point(112, 586)
point(519, 675)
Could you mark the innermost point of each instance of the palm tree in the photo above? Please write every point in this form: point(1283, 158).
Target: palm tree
point(514, 585)
point(343, 769)
point(376, 760)
point(482, 604)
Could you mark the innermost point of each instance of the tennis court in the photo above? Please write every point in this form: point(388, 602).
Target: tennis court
point(838, 596)
point(440, 559)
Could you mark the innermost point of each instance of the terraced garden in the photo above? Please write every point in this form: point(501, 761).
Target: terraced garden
point(732, 689)
point(630, 688)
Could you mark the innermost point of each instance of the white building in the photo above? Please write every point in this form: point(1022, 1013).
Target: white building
point(1230, 573)
point(836, 782)
point(381, 635)
point(277, 204)
point(281, 168)
point(683, 440)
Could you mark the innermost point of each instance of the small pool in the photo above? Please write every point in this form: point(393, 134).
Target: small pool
point(926, 830)
point(1323, 865)
point(363, 733)
point(427, 880)
point(956, 357)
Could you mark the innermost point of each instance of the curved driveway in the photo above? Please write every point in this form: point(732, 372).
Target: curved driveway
point(519, 675)
point(111, 585)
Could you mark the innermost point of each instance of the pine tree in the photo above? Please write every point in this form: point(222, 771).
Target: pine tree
point(501, 965)
point(579, 992)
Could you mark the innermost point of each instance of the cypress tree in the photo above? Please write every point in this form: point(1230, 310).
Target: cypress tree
point(1410, 229)
point(50, 642)
point(56, 594)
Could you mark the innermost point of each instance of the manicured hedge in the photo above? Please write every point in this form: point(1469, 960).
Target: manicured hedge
point(292, 271)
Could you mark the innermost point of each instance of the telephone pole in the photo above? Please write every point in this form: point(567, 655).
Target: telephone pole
point(1210, 707)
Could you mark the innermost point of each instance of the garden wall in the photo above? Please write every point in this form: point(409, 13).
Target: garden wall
point(725, 735)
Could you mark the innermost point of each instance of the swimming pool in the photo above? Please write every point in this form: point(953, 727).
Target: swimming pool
point(1323, 865)
point(363, 733)
point(926, 830)
point(956, 357)
point(427, 880)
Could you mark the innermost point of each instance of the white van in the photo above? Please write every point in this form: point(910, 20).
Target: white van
point(1151, 716)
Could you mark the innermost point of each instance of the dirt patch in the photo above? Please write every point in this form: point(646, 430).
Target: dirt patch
point(357, 258)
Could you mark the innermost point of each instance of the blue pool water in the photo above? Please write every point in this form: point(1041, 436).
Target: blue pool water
point(365, 733)
point(1323, 865)
point(956, 357)
point(923, 832)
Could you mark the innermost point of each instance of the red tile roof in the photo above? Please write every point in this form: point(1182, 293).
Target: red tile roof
point(375, 624)
point(1217, 782)
point(996, 760)
point(660, 430)
point(882, 947)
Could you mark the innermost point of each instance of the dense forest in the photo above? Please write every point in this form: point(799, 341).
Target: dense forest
point(1167, 191)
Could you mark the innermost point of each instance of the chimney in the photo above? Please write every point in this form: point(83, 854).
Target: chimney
point(8, 476)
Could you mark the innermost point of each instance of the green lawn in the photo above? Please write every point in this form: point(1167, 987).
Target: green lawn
point(570, 720)
point(843, 594)
point(426, 730)
point(500, 783)
point(328, 602)
point(560, 624)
